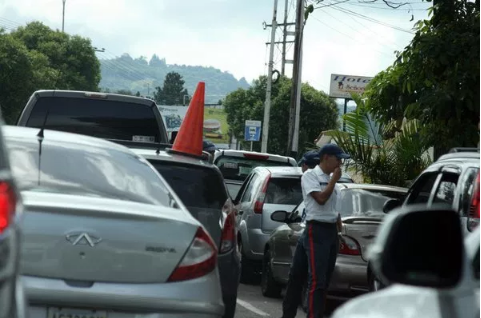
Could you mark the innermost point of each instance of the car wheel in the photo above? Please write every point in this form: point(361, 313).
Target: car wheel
point(269, 286)
point(247, 268)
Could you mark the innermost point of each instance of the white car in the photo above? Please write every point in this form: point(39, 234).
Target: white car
point(104, 235)
point(458, 298)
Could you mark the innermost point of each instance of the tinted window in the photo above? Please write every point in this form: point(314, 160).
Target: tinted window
point(446, 189)
point(366, 202)
point(467, 190)
point(196, 186)
point(284, 191)
point(88, 171)
point(238, 168)
point(421, 190)
point(97, 117)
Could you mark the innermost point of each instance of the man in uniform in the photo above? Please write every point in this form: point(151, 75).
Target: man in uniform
point(318, 246)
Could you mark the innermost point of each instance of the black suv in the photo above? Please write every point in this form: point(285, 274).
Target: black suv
point(101, 115)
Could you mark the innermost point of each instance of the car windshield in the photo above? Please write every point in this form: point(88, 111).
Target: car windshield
point(238, 168)
point(96, 117)
point(362, 202)
point(66, 168)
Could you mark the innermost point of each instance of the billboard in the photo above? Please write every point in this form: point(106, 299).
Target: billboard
point(341, 86)
point(216, 128)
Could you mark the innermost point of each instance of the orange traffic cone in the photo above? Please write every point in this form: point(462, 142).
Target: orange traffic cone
point(190, 136)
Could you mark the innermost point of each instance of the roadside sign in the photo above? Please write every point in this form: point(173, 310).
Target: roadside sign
point(252, 130)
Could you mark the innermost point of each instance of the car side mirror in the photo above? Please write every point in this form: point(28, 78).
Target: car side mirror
point(391, 204)
point(412, 245)
point(280, 216)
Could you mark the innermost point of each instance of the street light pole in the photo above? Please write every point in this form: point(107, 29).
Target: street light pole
point(63, 14)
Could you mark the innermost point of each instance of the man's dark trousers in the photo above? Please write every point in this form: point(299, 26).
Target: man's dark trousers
point(316, 252)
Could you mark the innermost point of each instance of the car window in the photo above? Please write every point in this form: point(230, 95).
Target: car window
point(238, 168)
point(96, 117)
point(365, 202)
point(446, 189)
point(196, 186)
point(421, 189)
point(233, 189)
point(249, 192)
point(87, 171)
point(467, 190)
point(284, 191)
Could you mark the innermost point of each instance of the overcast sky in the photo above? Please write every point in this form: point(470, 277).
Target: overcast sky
point(350, 38)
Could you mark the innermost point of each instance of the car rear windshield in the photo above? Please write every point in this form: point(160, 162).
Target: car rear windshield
point(65, 168)
point(196, 186)
point(362, 202)
point(100, 118)
point(238, 168)
point(284, 191)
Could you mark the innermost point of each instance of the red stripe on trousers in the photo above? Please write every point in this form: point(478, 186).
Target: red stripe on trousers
point(313, 273)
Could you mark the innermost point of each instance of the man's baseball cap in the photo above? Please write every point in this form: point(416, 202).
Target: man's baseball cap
point(310, 158)
point(333, 150)
point(208, 146)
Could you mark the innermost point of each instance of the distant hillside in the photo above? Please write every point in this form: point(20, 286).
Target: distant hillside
point(141, 75)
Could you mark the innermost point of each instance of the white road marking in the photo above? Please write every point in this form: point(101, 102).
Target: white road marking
point(248, 306)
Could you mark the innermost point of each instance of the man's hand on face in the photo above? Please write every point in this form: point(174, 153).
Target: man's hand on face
point(336, 175)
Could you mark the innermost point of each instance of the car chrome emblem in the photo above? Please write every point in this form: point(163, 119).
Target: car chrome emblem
point(83, 239)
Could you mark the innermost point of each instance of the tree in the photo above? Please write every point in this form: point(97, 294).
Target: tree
point(72, 58)
point(318, 113)
point(391, 160)
point(172, 91)
point(435, 79)
point(35, 57)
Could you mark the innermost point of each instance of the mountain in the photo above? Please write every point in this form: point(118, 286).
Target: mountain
point(140, 75)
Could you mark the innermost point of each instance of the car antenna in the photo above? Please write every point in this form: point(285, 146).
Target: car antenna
point(40, 137)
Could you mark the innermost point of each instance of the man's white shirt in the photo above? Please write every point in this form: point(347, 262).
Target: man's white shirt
point(314, 180)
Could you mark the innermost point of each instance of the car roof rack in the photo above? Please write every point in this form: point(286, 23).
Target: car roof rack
point(463, 149)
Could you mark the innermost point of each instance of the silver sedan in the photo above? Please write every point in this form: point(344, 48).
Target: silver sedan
point(104, 235)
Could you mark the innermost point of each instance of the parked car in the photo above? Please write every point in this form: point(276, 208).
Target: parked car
point(361, 214)
point(450, 180)
point(12, 299)
point(104, 233)
point(267, 189)
point(102, 115)
point(420, 285)
point(200, 186)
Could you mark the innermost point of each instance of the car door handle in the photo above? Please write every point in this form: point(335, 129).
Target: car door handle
point(241, 212)
point(369, 236)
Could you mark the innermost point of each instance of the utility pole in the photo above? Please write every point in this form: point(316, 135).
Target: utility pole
point(284, 38)
point(267, 105)
point(296, 80)
point(63, 15)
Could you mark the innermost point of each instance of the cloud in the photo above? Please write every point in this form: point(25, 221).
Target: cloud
point(224, 34)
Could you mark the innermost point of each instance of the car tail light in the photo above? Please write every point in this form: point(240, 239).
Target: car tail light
point(256, 156)
point(349, 246)
point(228, 239)
point(259, 203)
point(473, 218)
point(200, 259)
point(8, 201)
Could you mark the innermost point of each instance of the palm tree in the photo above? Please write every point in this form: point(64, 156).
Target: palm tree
point(384, 154)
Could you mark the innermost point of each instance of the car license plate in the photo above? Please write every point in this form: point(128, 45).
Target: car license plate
point(75, 313)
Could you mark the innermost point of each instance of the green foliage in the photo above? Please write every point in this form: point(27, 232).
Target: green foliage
point(436, 78)
point(172, 92)
point(382, 160)
point(318, 112)
point(35, 57)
